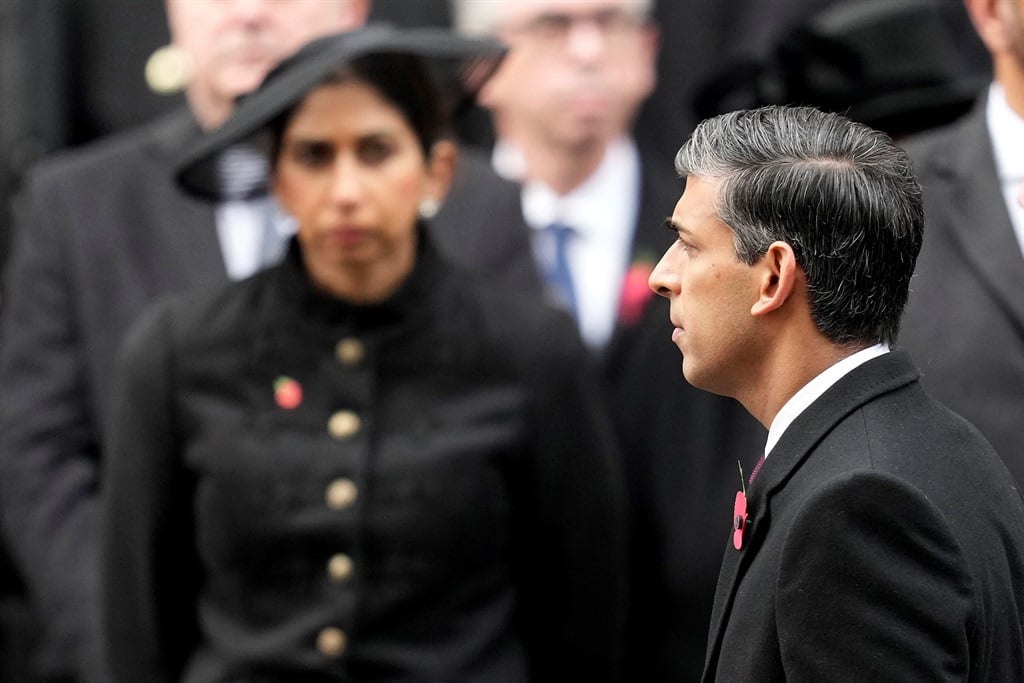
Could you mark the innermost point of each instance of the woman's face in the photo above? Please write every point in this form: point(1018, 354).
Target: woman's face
point(351, 172)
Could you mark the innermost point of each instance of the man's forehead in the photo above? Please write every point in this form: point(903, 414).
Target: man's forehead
point(697, 200)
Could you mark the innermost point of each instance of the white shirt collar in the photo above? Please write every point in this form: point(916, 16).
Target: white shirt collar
point(508, 160)
point(812, 391)
point(1006, 129)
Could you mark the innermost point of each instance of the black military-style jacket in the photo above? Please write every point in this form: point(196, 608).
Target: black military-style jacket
point(418, 490)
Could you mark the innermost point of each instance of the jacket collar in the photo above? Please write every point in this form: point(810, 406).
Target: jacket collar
point(984, 233)
point(313, 307)
point(864, 383)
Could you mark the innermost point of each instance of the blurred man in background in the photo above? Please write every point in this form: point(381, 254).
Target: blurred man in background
point(100, 232)
point(964, 323)
point(583, 224)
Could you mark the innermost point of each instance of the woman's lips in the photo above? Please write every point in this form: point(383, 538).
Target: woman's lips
point(347, 236)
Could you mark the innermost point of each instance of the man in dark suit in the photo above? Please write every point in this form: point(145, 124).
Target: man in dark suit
point(103, 231)
point(563, 102)
point(965, 318)
point(880, 538)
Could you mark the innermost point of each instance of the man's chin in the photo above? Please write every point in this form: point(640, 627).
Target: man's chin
point(584, 132)
point(694, 377)
point(244, 78)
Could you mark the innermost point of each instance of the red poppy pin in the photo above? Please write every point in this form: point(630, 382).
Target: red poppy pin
point(287, 393)
point(739, 513)
point(739, 519)
point(635, 291)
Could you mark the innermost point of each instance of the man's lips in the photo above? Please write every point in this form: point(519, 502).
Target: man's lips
point(677, 333)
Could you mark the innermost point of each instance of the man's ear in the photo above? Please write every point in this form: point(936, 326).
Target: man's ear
point(776, 278)
point(992, 23)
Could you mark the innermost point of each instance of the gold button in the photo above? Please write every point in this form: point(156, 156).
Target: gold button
point(331, 642)
point(349, 351)
point(339, 567)
point(343, 424)
point(341, 493)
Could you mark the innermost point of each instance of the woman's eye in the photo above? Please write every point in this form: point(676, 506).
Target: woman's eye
point(375, 150)
point(313, 155)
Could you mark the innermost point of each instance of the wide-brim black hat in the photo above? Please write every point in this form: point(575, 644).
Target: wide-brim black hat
point(460, 64)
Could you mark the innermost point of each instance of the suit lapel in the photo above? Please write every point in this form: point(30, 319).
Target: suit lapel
point(985, 233)
point(734, 566)
point(660, 189)
point(659, 192)
point(874, 378)
point(481, 225)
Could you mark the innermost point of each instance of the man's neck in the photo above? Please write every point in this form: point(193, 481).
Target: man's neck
point(209, 113)
point(783, 374)
point(1010, 74)
point(562, 168)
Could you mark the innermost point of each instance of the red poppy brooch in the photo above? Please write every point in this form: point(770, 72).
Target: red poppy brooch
point(287, 393)
point(635, 291)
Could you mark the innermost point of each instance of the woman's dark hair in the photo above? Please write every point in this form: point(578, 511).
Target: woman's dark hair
point(402, 80)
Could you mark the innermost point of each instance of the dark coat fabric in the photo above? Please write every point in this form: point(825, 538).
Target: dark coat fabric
point(483, 526)
point(885, 542)
point(679, 445)
point(964, 323)
point(101, 231)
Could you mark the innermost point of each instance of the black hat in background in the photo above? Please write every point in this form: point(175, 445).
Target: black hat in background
point(459, 66)
point(901, 66)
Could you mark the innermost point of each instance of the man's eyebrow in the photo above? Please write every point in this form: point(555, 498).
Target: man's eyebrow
point(675, 227)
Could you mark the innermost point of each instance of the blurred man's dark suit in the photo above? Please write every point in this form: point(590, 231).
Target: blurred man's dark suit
point(964, 324)
point(100, 232)
point(679, 445)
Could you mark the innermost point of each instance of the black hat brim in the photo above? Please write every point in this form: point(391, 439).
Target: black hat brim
point(469, 62)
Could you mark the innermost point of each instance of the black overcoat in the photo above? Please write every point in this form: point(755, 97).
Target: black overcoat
point(885, 542)
point(302, 489)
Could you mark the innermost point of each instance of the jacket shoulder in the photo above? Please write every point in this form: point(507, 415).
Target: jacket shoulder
point(203, 318)
point(516, 324)
point(929, 148)
point(120, 152)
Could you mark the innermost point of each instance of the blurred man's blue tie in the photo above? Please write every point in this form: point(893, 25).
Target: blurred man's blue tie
point(556, 271)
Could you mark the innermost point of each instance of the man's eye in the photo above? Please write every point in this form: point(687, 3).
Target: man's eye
point(552, 25)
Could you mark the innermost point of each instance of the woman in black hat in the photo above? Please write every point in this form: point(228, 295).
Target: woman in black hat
point(362, 464)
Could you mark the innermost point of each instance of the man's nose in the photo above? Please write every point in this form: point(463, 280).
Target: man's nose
point(661, 281)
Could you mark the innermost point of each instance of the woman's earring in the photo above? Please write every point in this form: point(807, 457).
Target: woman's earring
point(168, 70)
point(429, 207)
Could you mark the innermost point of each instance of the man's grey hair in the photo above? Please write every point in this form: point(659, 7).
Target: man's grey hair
point(485, 17)
point(841, 194)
